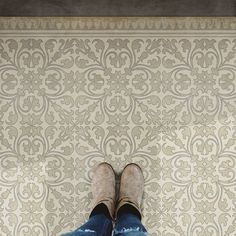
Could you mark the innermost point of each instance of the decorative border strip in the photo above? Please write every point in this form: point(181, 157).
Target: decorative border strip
point(117, 23)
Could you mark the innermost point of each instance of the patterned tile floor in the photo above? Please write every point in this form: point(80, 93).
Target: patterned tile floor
point(163, 98)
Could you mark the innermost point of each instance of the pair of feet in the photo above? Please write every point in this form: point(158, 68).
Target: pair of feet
point(104, 188)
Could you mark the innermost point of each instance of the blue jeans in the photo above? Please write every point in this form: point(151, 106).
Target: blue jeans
point(127, 224)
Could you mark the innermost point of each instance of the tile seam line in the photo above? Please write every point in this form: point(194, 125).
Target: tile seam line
point(112, 33)
point(121, 36)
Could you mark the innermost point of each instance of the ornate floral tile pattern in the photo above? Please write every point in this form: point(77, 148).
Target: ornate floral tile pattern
point(159, 96)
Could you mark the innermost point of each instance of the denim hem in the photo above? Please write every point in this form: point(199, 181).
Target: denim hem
point(130, 232)
point(80, 232)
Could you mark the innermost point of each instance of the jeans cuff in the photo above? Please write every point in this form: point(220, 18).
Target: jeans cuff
point(130, 232)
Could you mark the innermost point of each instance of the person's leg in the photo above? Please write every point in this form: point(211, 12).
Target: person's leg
point(129, 222)
point(99, 224)
point(128, 210)
point(102, 213)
